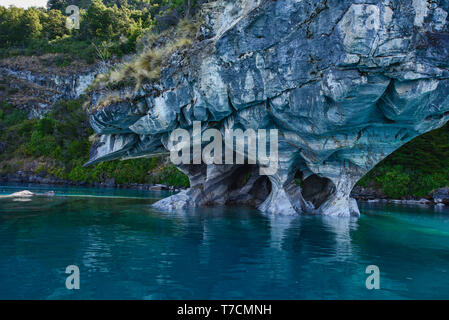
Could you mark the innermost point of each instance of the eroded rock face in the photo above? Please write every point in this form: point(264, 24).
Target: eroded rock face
point(38, 84)
point(346, 83)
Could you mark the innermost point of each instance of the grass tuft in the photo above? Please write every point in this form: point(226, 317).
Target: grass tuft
point(156, 50)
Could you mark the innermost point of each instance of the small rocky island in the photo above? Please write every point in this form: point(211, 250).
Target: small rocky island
point(346, 83)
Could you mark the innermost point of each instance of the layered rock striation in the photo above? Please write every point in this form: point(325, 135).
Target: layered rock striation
point(35, 84)
point(345, 82)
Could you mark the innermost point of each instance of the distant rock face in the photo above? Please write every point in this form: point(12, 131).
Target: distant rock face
point(36, 84)
point(345, 83)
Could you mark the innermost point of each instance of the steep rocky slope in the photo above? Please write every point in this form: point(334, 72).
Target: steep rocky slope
point(34, 84)
point(345, 82)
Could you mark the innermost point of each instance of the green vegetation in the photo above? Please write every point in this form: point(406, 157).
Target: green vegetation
point(58, 145)
point(107, 28)
point(416, 169)
point(147, 64)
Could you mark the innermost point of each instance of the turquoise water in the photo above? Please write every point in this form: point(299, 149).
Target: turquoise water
point(127, 250)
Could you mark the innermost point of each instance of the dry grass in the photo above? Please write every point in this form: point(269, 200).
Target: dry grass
point(156, 51)
point(110, 98)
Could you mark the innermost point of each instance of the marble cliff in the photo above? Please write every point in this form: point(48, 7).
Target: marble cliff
point(345, 82)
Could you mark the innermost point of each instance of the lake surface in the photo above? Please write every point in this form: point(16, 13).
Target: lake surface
point(127, 250)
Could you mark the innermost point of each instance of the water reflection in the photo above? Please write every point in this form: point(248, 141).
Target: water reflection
point(341, 228)
point(125, 249)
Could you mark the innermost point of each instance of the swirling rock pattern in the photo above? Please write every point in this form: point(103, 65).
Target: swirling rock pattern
point(345, 82)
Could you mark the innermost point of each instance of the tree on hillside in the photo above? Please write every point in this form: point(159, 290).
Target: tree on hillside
point(104, 22)
point(54, 24)
point(10, 25)
point(18, 25)
point(63, 4)
point(31, 23)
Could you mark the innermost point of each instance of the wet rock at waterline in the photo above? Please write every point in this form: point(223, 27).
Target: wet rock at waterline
point(26, 194)
point(441, 196)
point(345, 83)
point(22, 194)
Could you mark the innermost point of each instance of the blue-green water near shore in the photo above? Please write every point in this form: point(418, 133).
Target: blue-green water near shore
point(127, 250)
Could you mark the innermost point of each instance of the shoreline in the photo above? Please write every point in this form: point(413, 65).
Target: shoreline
point(439, 197)
point(21, 178)
point(414, 202)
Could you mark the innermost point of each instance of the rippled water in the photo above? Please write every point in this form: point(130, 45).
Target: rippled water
point(127, 250)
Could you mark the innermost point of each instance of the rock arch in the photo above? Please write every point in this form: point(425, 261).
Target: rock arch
point(343, 94)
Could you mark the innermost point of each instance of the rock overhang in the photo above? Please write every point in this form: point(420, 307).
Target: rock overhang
point(345, 83)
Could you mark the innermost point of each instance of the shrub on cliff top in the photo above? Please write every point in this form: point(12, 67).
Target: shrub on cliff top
point(148, 63)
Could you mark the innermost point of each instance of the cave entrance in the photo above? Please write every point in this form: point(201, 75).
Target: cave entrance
point(316, 189)
point(248, 187)
point(241, 176)
point(260, 190)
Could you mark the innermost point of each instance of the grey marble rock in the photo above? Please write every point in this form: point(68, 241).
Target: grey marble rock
point(441, 196)
point(346, 83)
point(46, 86)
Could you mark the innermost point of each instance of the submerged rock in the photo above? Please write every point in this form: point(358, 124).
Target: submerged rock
point(346, 84)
